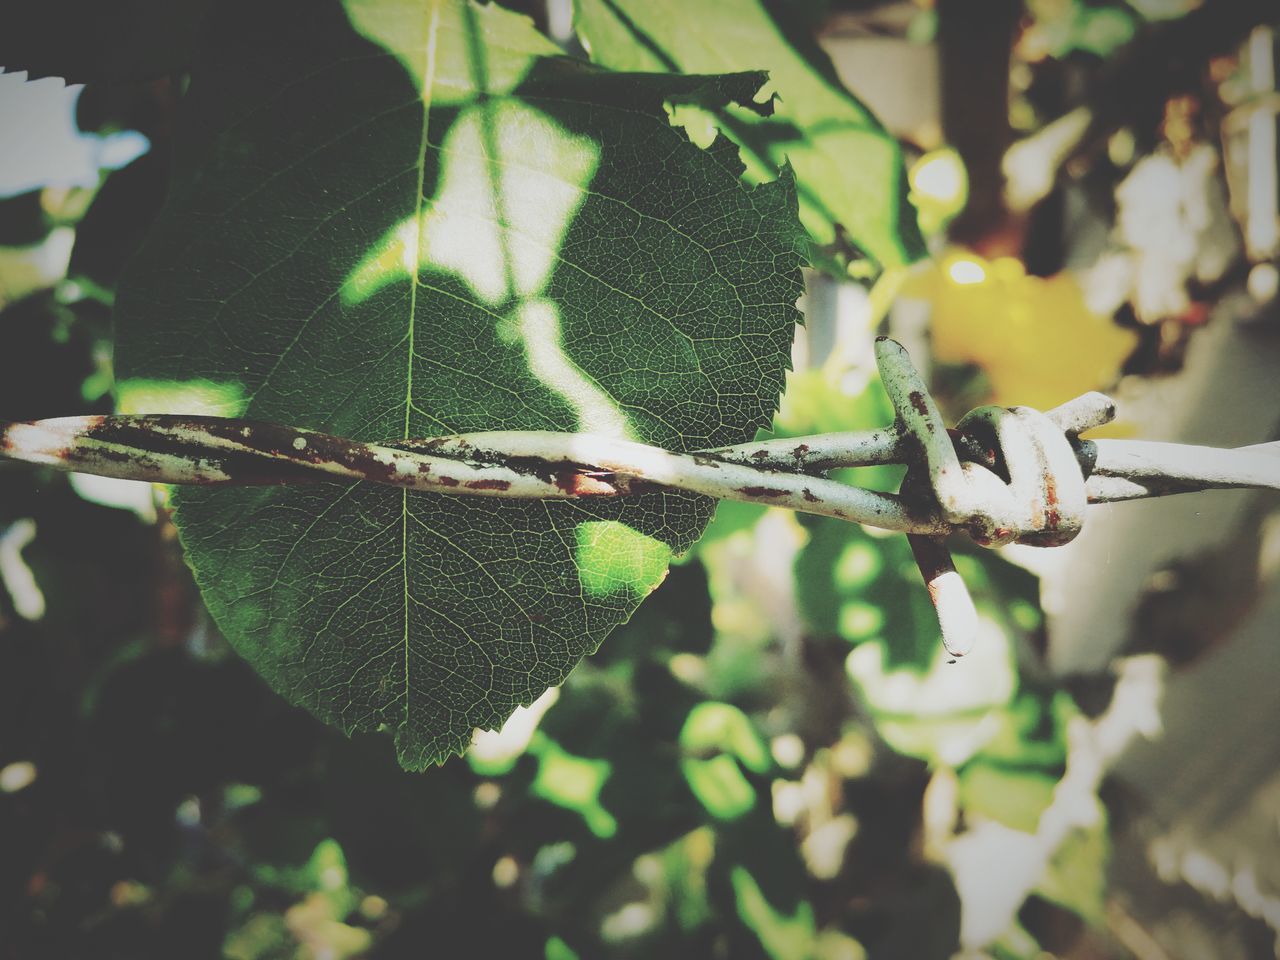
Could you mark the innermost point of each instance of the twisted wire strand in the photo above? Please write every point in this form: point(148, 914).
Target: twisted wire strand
point(1002, 475)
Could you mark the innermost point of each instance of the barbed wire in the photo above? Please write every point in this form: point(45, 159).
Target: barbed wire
point(1002, 475)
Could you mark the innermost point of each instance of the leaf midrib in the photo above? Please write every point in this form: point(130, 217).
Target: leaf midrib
point(432, 12)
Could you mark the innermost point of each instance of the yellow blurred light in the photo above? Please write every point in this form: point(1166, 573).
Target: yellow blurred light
point(1008, 269)
point(966, 272)
point(858, 565)
point(787, 750)
point(939, 188)
point(505, 872)
point(1263, 282)
point(1121, 147)
point(788, 801)
point(859, 620)
point(688, 668)
point(940, 176)
point(852, 755)
point(128, 893)
point(17, 776)
point(487, 795)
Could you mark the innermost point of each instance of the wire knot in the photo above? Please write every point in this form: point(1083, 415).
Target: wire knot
point(1022, 479)
point(1004, 474)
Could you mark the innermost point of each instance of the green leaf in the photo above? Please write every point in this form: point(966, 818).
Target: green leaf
point(574, 783)
point(1013, 796)
point(784, 937)
point(412, 219)
point(1097, 29)
point(714, 739)
point(1077, 875)
point(557, 949)
point(849, 169)
point(722, 727)
point(1032, 731)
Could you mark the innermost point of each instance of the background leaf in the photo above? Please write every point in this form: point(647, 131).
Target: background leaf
point(431, 225)
point(843, 157)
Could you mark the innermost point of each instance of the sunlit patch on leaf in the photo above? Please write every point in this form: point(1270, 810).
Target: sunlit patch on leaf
point(197, 398)
point(512, 180)
point(594, 411)
point(698, 122)
point(438, 42)
point(612, 558)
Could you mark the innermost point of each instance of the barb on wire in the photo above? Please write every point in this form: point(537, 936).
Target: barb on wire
point(1002, 475)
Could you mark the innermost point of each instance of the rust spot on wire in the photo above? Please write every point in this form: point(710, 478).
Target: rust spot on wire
point(578, 484)
point(488, 484)
point(1052, 517)
point(998, 535)
point(460, 445)
point(762, 492)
